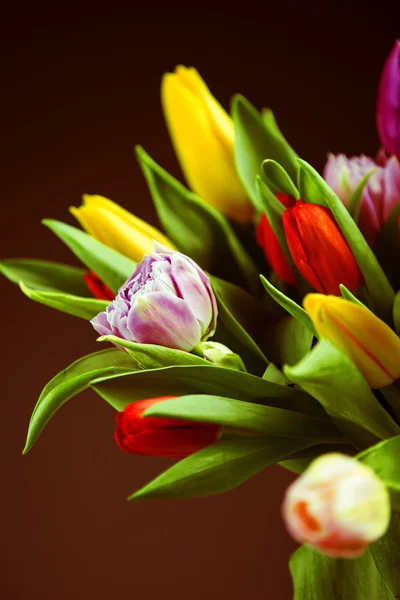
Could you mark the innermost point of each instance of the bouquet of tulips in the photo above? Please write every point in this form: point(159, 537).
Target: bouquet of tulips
point(260, 327)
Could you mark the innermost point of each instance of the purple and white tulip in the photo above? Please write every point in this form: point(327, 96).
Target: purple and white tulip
point(380, 195)
point(388, 104)
point(167, 301)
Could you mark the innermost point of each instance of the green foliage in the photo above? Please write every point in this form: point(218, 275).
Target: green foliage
point(73, 380)
point(112, 267)
point(78, 306)
point(332, 378)
point(240, 415)
point(46, 276)
point(319, 577)
point(197, 229)
point(219, 468)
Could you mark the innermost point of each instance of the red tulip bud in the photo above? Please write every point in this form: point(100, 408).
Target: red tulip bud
point(97, 287)
point(268, 241)
point(159, 436)
point(319, 249)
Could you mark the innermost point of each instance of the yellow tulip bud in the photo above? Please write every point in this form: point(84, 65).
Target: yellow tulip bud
point(371, 344)
point(117, 228)
point(202, 134)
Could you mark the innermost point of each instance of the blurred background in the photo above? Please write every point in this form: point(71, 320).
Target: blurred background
point(79, 89)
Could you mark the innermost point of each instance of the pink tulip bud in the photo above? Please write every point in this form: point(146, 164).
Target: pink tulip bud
point(380, 195)
point(388, 104)
point(338, 506)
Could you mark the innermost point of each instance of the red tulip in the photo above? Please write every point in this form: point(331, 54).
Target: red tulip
point(319, 249)
point(159, 436)
point(268, 241)
point(97, 287)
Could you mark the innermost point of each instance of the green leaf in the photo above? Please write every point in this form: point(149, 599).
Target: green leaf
point(386, 552)
point(257, 139)
point(331, 377)
point(197, 228)
point(112, 267)
point(396, 313)
point(85, 308)
point(288, 341)
point(384, 459)
point(239, 318)
point(151, 356)
point(230, 412)
point(219, 468)
point(274, 211)
point(355, 200)
point(380, 290)
point(387, 248)
point(319, 577)
point(347, 295)
point(206, 379)
point(301, 460)
point(275, 375)
point(45, 275)
point(289, 305)
point(278, 180)
point(73, 380)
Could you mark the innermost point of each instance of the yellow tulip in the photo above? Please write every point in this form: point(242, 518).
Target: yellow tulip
point(117, 228)
point(202, 134)
point(371, 344)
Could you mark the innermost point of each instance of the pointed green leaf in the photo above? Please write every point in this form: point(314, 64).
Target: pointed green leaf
point(85, 308)
point(384, 459)
point(347, 295)
point(355, 200)
point(73, 380)
point(219, 468)
point(333, 379)
point(208, 379)
point(151, 356)
point(197, 228)
point(289, 305)
point(319, 577)
point(45, 275)
point(278, 180)
point(380, 290)
point(112, 267)
point(229, 412)
point(257, 139)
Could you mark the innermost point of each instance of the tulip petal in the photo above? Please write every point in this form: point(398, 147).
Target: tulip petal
point(192, 289)
point(162, 318)
point(371, 344)
point(202, 134)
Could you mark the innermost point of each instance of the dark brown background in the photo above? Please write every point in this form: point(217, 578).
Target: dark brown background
point(79, 89)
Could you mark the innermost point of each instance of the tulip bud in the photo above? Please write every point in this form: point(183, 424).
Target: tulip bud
point(159, 436)
point(268, 241)
point(222, 356)
point(380, 195)
point(338, 506)
point(167, 301)
point(318, 248)
point(371, 344)
point(117, 228)
point(98, 287)
point(203, 135)
point(388, 104)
